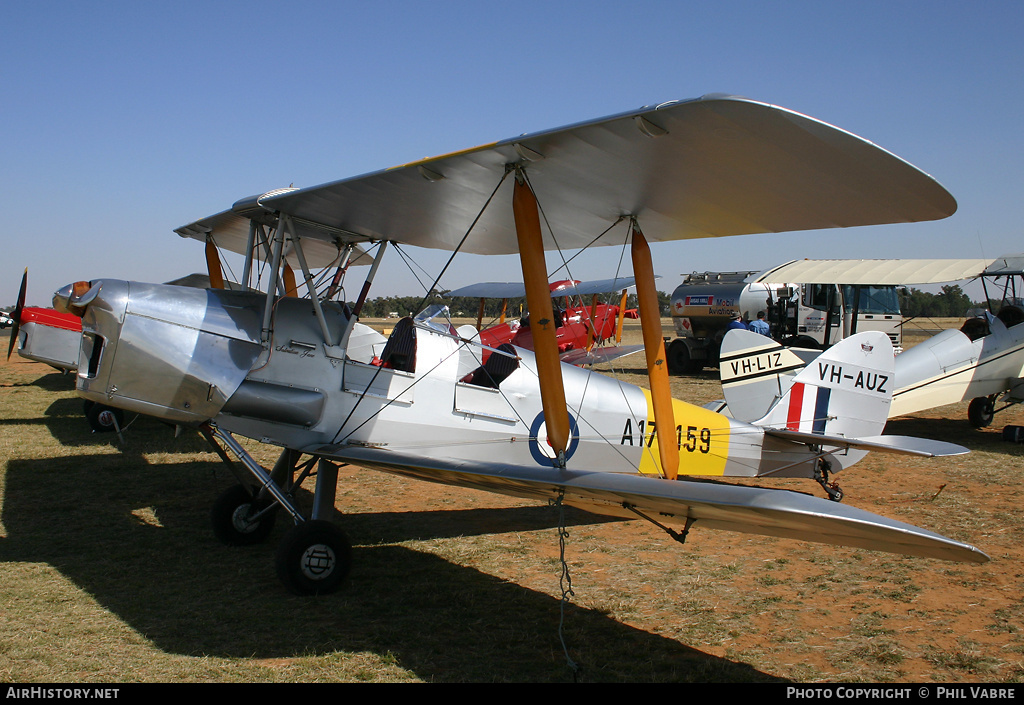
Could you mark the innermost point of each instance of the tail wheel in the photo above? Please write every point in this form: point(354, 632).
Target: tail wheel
point(314, 558)
point(980, 412)
point(233, 518)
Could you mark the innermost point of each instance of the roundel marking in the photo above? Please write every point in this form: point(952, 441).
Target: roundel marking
point(541, 449)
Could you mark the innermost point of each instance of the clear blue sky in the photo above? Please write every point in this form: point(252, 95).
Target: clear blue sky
point(124, 120)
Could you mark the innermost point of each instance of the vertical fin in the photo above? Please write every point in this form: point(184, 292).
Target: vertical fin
point(846, 391)
point(756, 371)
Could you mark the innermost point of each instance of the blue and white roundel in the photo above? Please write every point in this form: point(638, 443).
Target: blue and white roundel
point(539, 446)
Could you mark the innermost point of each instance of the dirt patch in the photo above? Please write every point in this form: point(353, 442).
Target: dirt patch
point(644, 607)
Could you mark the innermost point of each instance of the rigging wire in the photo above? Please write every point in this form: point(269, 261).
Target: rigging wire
point(463, 240)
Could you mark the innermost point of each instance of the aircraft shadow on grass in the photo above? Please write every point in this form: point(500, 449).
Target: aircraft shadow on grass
point(52, 382)
point(66, 422)
point(163, 573)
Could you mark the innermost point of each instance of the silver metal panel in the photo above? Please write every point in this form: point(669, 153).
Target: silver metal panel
point(1007, 265)
point(54, 346)
point(182, 352)
point(277, 403)
point(379, 382)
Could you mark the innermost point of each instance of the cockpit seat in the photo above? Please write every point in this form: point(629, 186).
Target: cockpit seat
point(400, 351)
point(497, 368)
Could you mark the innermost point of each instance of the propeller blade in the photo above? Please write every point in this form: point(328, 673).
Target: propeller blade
point(16, 314)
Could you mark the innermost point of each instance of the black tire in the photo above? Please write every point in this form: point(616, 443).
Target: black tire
point(980, 412)
point(102, 418)
point(314, 558)
point(801, 341)
point(679, 360)
point(230, 518)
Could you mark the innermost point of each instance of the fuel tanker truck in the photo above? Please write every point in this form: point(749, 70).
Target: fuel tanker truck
point(810, 316)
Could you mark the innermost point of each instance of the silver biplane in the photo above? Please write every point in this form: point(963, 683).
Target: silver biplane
point(301, 373)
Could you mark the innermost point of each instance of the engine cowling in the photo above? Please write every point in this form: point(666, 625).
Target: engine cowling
point(174, 353)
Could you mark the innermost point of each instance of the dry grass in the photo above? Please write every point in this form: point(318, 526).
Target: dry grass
point(108, 573)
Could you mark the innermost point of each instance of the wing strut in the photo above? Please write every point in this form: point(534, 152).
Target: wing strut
point(654, 348)
point(542, 317)
point(369, 278)
point(622, 316)
point(213, 268)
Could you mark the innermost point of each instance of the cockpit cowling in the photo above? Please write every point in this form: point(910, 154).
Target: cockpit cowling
point(170, 352)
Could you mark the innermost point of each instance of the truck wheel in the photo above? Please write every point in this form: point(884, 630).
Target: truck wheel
point(679, 360)
point(801, 341)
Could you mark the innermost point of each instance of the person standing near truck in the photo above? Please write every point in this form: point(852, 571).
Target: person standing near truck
point(760, 325)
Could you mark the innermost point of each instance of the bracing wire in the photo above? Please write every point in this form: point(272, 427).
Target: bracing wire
point(472, 225)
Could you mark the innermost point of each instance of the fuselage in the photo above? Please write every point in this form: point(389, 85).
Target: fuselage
point(191, 356)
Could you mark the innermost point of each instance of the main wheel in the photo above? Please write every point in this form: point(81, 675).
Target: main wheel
point(104, 419)
point(314, 558)
point(232, 521)
point(980, 412)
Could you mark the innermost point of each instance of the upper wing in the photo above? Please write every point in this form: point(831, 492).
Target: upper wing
point(708, 167)
point(491, 290)
point(1006, 266)
point(877, 272)
point(596, 356)
point(230, 231)
point(512, 290)
point(712, 505)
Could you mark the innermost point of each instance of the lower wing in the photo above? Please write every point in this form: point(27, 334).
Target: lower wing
point(711, 505)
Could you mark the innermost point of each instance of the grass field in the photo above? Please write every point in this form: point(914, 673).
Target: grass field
point(109, 573)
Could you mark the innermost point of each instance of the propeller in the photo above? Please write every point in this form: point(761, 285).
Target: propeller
point(16, 313)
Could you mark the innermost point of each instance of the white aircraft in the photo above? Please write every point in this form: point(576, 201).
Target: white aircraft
point(983, 361)
point(299, 373)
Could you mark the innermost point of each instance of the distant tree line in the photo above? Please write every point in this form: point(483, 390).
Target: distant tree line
point(465, 306)
point(951, 302)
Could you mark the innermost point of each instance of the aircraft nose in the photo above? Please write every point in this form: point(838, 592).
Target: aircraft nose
point(74, 298)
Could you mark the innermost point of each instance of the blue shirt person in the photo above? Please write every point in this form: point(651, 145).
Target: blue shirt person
point(760, 325)
point(736, 323)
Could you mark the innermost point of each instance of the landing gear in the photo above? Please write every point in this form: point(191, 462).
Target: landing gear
point(239, 520)
point(832, 489)
point(315, 556)
point(102, 418)
point(981, 411)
